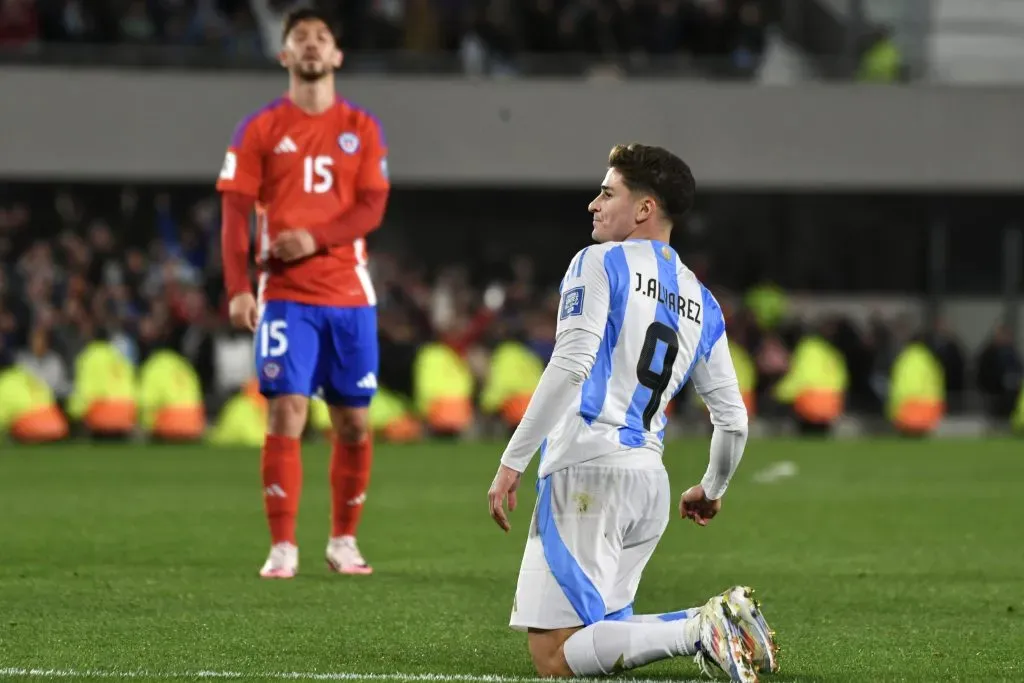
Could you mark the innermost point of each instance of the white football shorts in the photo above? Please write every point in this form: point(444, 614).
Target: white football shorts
point(594, 528)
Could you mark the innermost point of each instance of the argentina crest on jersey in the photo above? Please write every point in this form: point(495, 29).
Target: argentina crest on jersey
point(572, 302)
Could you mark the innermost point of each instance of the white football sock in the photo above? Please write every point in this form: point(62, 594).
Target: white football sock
point(668, 616)
point(611, 646)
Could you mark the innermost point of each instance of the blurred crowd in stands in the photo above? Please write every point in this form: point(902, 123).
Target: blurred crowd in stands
point(487, 35)
point(145, 274)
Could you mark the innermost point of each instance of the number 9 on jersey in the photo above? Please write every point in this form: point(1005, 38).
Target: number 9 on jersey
point(660, 340)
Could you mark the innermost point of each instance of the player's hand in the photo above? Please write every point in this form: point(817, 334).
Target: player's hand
point(243, 311)
point(505, 483)
point(694, 504)
point(292, 245)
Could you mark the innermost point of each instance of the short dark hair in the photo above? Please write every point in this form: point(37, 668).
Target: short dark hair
point(301, 14)
point(658, 172)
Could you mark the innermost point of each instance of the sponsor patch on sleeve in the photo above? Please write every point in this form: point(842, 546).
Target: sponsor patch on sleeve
point(572, 302)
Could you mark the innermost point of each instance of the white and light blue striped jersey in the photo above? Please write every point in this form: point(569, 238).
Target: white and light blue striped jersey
point(658, 328)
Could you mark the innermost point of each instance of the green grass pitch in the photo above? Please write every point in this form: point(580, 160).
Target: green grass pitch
point(879, 560)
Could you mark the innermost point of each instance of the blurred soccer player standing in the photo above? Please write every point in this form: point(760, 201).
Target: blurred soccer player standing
point(314, 168)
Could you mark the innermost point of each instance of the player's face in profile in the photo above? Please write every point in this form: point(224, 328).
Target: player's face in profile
point(310, 51)
point(614, 210)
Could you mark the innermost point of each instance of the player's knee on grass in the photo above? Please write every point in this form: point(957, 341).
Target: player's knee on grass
point(287, 415)
point(351, 424)
point(546, 650)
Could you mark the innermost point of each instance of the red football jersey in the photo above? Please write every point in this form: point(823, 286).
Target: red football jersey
point(306, 170)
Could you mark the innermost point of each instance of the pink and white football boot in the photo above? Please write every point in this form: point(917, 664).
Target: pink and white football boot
point(343, 557)
point(282, 563)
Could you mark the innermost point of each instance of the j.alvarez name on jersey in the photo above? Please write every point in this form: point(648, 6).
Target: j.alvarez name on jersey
point(652, 287)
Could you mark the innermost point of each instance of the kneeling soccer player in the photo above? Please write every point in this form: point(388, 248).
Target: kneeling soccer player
point(634, 325)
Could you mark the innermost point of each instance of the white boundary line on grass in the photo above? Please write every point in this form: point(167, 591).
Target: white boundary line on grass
point(297, 675)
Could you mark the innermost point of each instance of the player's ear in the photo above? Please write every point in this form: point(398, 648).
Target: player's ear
point(339, 57)
point(644, 209)
point(282, 58)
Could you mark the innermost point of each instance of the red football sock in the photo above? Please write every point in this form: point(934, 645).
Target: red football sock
point(350, 476)
point(282, 485)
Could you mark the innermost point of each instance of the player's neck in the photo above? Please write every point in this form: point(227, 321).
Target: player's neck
point(656, 233)
point(312, 98)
